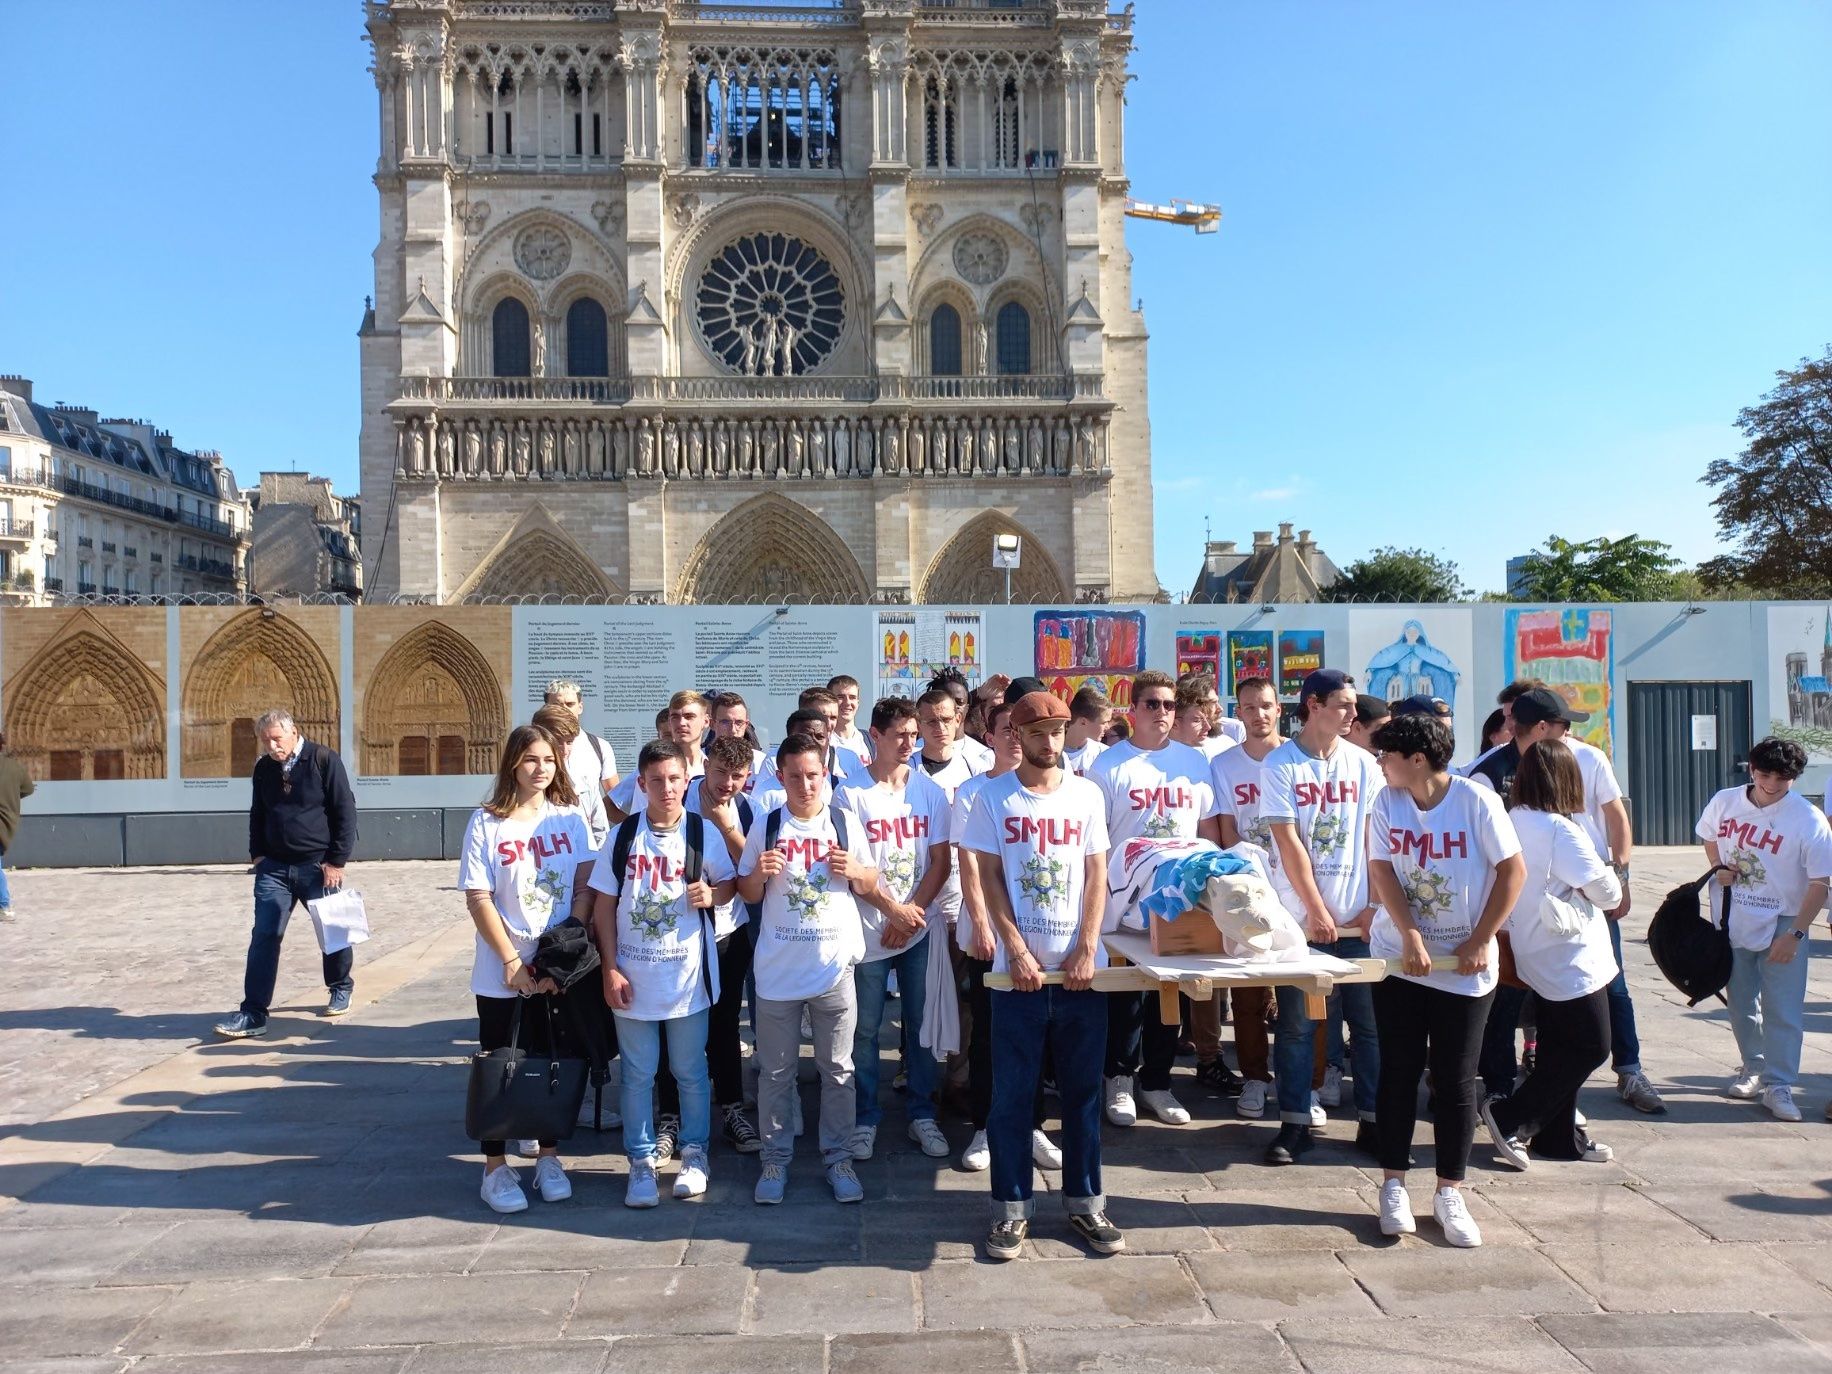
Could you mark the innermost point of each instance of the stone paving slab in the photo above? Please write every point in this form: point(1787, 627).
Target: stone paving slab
point(309, 1204)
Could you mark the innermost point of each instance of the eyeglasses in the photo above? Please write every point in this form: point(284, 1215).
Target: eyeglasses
point(1158, 704)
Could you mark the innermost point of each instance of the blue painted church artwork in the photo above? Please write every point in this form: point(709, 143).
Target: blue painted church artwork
point(1412, 666)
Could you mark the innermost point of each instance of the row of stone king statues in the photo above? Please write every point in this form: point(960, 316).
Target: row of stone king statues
point(797, 446)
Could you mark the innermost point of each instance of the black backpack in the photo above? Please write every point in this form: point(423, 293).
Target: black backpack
point(1692, 950)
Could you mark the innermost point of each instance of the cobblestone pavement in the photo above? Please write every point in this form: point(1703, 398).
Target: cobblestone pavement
point(313, 1195)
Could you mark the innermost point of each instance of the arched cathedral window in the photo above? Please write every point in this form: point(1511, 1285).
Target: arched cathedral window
point(509, 350)
point(588, 352)
point(1014, 339)
point(945, 342)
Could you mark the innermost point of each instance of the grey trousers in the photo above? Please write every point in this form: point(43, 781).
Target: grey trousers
point(834, 1015)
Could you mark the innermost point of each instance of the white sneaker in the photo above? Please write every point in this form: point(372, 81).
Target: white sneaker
point(1745, 1086)
point(550, 1178)
point(1596, 1152)
point(977, 1157)
point(1044, 1153)
point(928, 1135)
point(1453, 1215)
point(1163, 1105)
point(1396, 1210)
point(864, 1141)
point(1121, 1110)
point(694, 1174)
point(1318, 1117)
point(1780, 1103)
point(503, 1191)
point(1330, 1094)
point(1252, 1103)
point(527, 1149)
point(642, 1190)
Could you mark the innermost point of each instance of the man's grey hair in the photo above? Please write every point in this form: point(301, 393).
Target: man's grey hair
point(563, 684)
point(269, 719)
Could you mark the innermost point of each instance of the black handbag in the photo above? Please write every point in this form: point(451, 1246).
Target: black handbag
point(514, 1095)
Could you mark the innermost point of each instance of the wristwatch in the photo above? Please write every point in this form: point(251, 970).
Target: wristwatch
point(1798, 934)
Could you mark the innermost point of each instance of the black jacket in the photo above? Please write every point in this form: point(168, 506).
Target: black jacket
point(313, 821)
point(1499, 766)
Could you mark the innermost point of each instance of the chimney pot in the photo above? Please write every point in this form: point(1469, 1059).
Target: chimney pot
point(1285, 532)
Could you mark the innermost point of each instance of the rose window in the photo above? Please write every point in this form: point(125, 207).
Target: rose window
point(768, 305)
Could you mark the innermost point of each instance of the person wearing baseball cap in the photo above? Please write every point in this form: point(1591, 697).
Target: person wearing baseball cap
point(1039, 838)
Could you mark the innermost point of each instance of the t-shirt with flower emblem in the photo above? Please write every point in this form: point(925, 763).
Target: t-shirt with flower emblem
point(1237, 776)
point(1329, 800)
point(1043, 841)
point(811, 933)
point(901, 824)
point(1775, 851)
point(658, 935)
point(1160, 794)
point(1445, 861)
point(528, 868)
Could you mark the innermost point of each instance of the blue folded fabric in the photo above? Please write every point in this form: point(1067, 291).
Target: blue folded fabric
point(1177, 885)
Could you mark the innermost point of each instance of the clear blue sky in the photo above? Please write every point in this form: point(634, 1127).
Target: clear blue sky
point(1486, 272)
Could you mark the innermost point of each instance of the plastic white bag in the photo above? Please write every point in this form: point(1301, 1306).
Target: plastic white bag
point(340, 919)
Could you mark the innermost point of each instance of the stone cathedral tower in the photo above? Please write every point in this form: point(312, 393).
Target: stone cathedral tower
point(720, 302)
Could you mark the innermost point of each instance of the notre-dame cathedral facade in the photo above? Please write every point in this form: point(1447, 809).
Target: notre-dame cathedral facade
point(697, 302)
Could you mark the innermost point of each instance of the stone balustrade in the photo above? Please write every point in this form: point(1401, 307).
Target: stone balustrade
point(509, 392)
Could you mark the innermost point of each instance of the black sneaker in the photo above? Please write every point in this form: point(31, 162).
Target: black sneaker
point(667, 1138)
point(739, 1133)
point(1103, 1237)
point(1292, 1141)
point(1006, 1239)
point(1218, 1078)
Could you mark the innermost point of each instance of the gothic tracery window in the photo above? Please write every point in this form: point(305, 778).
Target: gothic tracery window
point(509, 347)
point(1014, 339)
point(945, 342)
point(588, 351)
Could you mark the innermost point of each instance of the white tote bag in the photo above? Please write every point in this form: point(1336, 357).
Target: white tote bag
point(1565, 913)
point(340, 919)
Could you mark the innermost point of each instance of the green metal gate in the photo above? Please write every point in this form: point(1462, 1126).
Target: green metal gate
point(1686, 741)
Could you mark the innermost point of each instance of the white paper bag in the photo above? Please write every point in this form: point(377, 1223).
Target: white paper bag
point(340, 919)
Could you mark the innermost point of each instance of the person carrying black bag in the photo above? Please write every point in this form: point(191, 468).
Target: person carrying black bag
point(527, 856)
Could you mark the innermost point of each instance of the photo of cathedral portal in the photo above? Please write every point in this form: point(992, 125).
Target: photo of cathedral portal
point(236, 663)
point(431, 689)
point(85, 692)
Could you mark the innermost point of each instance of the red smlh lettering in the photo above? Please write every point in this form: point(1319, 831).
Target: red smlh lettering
point(1049, 833)
point(1744, 833)
point(810, 852)
point(1160, 799)
point(658, 868)
point(1331, 793)
point(898, 828)
point(1246, 794)
point(1428, 846)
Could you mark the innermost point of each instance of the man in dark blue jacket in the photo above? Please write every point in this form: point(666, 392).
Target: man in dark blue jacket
point(301, 829)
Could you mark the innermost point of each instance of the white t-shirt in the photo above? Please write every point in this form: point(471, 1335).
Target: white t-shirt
point(1161, 794)
point(627, 797)
point(1560, 857)
point(528, 868)
point(1445, 861)
point(950, 777)
point(1080, 760)
point(811, 933)
point(901, 826)
point(727, 916)
point(978, 755)
point(1600, 789)
point(1776, 851)
point(855, 740)
point(584, 767)
point(1330, 801)
point(1237, 777)
point(1043, 841)
point(660, 939)
point(1232, 730)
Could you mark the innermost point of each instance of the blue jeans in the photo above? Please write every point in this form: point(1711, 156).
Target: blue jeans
point(278, 888)
point(869, 981)
point(1293, 1057)
point(6, 893)
point(1767, 1002)
point(639, 1043)
point(1625, 1045)
point(1073, 1026)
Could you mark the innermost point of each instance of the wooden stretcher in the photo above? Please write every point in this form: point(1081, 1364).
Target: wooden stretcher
point(1135, 968)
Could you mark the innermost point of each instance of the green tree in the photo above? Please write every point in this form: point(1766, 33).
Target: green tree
point(1774, 499)
point(1625, 569)
point(1392, 574)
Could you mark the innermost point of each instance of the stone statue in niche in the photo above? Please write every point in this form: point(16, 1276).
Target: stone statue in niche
point(523, 449)
point(1084, 440)
point(866, 455)
point(645, 449)
point(546, 448)
point(671, 449)
point(893, 449)
point(499, 456)
point(918, 454)
point(793, 449)
point(982, 360)
point(842, 448)
point(569, 449)
point(594, 450)
point(696, 451)
point(817, 450)
point(473, 446)
point(766, 347)
point(540, 349)
point(788, 349)
point(721, 449)
point(445, 450)
point(770, 448)
point(747, 448)
point(749, 365)
point(1033, 445)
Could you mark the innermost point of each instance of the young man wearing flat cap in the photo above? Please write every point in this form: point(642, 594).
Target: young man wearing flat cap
point(1039, 835)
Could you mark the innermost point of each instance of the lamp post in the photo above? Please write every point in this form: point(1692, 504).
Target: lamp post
point(1007, 553)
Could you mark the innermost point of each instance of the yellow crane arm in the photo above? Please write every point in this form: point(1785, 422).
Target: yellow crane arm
point(1204, 219)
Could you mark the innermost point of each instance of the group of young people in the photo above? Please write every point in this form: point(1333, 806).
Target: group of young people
point(967, 833)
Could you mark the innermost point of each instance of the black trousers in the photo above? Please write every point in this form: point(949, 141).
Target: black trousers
point(1573, 1044)
point(1500, 1062)
point(1422, 1026)
point(495, 1017)
point(724, 1054)
point(1138, 1041)
point(979, 1045)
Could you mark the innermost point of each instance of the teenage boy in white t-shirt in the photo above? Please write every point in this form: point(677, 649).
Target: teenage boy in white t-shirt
point(1317, 793)
point(846, 731)
point(653, 924)
point(1039, 836)
point(1090, 713)
point(1224, 730)
point(807, 876)
point(1777, 850)
point(1157, 788)
point(904, 817)
point(1237, 773)
point(591, 756)
point(731, 719)
point(685, 724)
